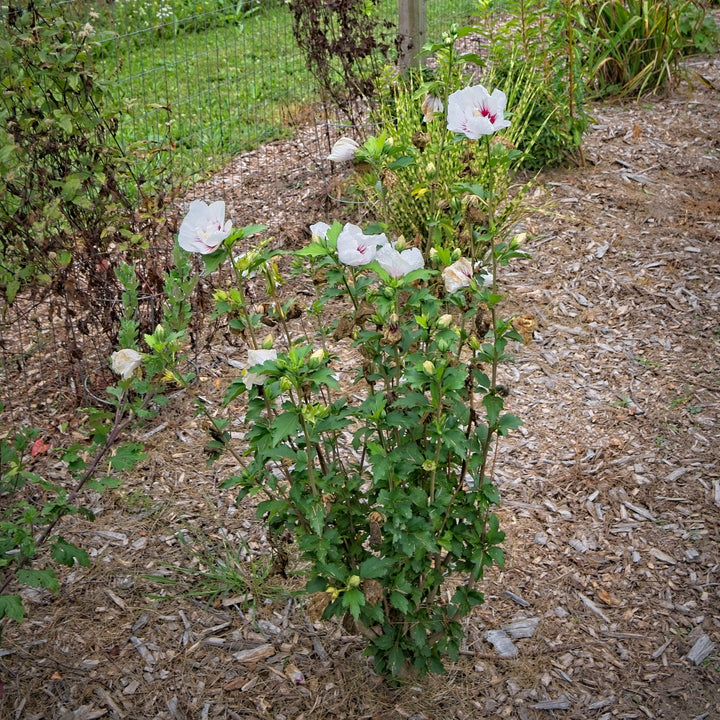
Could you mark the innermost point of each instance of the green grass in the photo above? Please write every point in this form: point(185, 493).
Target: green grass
point(212, 93)
point(215, 86)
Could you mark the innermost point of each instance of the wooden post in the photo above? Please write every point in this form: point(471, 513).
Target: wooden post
point(412, 32)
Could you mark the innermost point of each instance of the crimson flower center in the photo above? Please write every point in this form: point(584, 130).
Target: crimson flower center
point(482, 111)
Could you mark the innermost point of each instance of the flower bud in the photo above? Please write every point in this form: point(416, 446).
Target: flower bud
point(444, 321)
point(456, 254)
point(285, 384)
point(400, 244)
point(267, 342)
point(518, 240)
point(443, 345)
point(473, 342)
point(389, 293)
point(434, 256)
point(430, 170)
point(429, 368)
point(316, 358)
point(354, 581)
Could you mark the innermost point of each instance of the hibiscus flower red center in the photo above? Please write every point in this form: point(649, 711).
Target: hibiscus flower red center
point(482, 111)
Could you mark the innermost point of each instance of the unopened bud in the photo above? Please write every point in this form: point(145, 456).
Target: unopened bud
point(473, 342)
point(354, 581)
point(456, 254)
point(429, 368)
point(285, 384)
point(400, 244)
point(267, 342)
point(430, 170)
point(518, 240)
point(316, 358)
point(444, 321)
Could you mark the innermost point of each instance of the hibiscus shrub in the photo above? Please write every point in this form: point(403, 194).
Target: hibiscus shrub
point(384, 476)
point(387, 489)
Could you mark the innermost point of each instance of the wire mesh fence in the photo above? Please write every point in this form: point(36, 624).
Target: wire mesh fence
point(217, 81)
point(208, 85)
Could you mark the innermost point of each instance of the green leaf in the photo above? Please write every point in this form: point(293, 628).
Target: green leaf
point(399, 601)
point(215, 259)
point(283, 426)
point(103, 484)
point(11, 605)
point(375, 567)
point(11, 290)
point(314, 249)
point(126, 456)
point(353, 599)
point(249, 230)
point(316, 517)
point(396, 658)
point(419, 636)
point(497, 555)
point(67, 554)
point(39, 579)
point(508, 422)
point(493, 404)
point(490, 492)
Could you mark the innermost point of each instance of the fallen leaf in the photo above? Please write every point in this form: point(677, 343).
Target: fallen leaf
point(39, 447)
point(525, 325)
point(608, 599)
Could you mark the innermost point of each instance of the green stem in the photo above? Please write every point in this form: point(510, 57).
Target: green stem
point(248, 317)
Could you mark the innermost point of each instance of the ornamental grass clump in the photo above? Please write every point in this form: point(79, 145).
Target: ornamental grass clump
point(384, 477)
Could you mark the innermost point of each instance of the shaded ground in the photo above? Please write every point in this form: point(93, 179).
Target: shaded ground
point(611, 490)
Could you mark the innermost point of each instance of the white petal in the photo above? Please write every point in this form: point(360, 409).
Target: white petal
point(320, 229)
point(257, 357)
point(124, 362)
point(343, 150)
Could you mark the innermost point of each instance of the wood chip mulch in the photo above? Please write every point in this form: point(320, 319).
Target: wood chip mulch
point(610, 491)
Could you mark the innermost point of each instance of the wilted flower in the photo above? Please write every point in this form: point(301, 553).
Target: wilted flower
point(125, 362)
point(204, 227)
point(431, 105)
point(87, 32)
point(355, 248)
point(473, 112)
point(458, 275)
point(257, 357)
point(397, 264)
point(343, 150)
point(392, 333)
